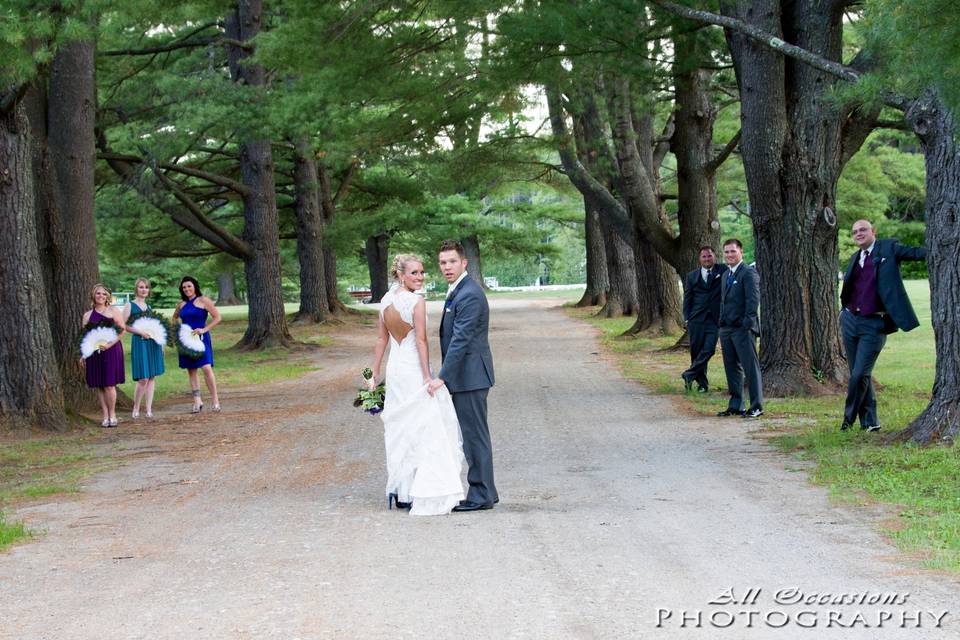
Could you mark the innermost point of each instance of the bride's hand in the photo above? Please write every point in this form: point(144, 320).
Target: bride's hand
point(372, 383)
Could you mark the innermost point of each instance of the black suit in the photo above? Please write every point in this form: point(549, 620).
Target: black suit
point(701, 310)
point(739, 329)
point(865, 335)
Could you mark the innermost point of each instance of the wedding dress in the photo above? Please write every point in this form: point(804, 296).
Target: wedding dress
point(421, 432)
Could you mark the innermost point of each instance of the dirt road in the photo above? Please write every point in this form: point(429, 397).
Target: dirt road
point(616, 513)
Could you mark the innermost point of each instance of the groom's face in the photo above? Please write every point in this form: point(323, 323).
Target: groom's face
point(452, 265)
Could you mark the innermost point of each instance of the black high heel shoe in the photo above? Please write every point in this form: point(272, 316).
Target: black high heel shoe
point(393, 500)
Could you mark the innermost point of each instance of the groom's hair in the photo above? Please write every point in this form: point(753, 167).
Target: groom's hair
point(452, 245)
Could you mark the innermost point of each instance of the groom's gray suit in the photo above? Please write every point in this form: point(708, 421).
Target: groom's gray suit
point(467, 371)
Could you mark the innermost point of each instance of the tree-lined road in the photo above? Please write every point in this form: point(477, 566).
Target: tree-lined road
point(269, 521)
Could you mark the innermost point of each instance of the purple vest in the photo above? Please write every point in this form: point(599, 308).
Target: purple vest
point(865, 300)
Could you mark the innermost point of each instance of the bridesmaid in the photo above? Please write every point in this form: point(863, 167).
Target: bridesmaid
point(146, 355)
point(104, 369)
point(192, 311)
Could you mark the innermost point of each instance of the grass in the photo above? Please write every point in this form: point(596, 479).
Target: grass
point(234, 368)
point(920, 486)
point(38, 467)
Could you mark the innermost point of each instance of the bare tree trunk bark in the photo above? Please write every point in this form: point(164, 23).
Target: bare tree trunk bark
point(65, 208)
point(31, 394)
point(314, 305)
point(471, 247)
point(794, 145)
point(622, 296)
point(660, 311)
point(377, 248)
point(267, 323)
point(597, 280)
point(934, 125)
point(227, 289)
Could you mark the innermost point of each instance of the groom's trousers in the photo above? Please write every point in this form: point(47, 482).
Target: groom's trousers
point(471, 407)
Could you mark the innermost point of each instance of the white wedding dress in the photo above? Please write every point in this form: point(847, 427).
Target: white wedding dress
point(421, 432)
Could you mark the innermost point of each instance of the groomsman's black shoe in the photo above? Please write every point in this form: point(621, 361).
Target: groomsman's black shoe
point(466, 505)
point(871, 428)
point(753, 413)
point(729, 412)
point(687, 382)
point(844, 425)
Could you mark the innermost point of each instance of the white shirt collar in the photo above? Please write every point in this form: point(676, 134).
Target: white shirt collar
point(864, 252)
point(704, 273)
point(736, 266)
point(455, 283)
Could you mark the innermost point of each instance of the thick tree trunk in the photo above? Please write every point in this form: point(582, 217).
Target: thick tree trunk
point(227, 289)
point(597, 280)
point(314, 305)
point(377, 249)
point(622, 297)
point(471, 247)
point(31, 394)
point(65, 207)
point(933, 123)
point(660, 310)
point(794, 144)
point(267, 323)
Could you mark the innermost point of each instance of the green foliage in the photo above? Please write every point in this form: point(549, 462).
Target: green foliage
point(11, 532)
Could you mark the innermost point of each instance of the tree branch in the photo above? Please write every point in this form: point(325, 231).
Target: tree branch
point(215, 178)
point(724, 153)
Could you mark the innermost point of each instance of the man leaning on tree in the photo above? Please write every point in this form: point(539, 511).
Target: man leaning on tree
point(701, 311)
point(875, 304)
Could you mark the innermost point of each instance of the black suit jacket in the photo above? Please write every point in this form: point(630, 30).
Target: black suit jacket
point(740, 300)
point(887, 256)
point(701, 302)
point(467, 361)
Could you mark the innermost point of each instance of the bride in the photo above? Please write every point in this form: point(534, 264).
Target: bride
point(421, 432)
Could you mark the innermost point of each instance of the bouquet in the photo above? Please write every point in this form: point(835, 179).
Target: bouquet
point(154, 325)
point(188, 343)
point(370, 400)
point(95, 336)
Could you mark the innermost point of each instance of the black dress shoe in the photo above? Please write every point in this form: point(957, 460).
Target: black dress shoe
point(844, 425)
point(729, 412)
point(466, 505)
point(871, 428)
point(687, 383)
point(753, 413)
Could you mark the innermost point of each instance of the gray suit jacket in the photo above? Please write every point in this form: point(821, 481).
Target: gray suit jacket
point(740, 299)
point(467, 361)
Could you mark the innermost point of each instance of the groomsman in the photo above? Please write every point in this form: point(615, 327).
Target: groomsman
point(739, 330)
point(875, 304)
point(701, 310)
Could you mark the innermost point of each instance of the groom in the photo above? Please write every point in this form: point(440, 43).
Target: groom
point(467, 370)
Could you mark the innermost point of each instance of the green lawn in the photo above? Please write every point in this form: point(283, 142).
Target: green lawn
point(921, 485)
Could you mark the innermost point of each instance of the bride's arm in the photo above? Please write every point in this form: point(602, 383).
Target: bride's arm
point(381, 348)
point(420, 326)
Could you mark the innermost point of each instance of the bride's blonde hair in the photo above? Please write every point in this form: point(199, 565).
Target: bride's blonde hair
point(400, 262)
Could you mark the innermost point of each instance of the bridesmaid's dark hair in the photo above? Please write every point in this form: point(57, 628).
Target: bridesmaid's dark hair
point(196, 287)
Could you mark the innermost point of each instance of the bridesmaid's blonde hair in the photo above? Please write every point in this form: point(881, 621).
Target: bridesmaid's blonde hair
point(400, 264)
point(93, 294)
point(137, 283)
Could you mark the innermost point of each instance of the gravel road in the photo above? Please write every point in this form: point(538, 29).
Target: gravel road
point(617, 512)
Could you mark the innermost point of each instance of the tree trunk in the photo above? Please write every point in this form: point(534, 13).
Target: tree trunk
point(314, 305)
point(267, 323)
point(471, 247)
point(31, 394)
point(794, 144)
point(934, 124)
point(660, 311)
point(65, 207)
point(376, 249)
point(597, 279)
point(622, 295)
point(227, 289)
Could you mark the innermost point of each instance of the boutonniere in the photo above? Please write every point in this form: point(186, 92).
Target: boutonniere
point(734, 282)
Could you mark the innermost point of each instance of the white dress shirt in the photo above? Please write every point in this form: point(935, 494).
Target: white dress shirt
point(456, 283)
point(864, 252)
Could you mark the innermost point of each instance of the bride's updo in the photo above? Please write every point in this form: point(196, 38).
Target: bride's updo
point(399, 265)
